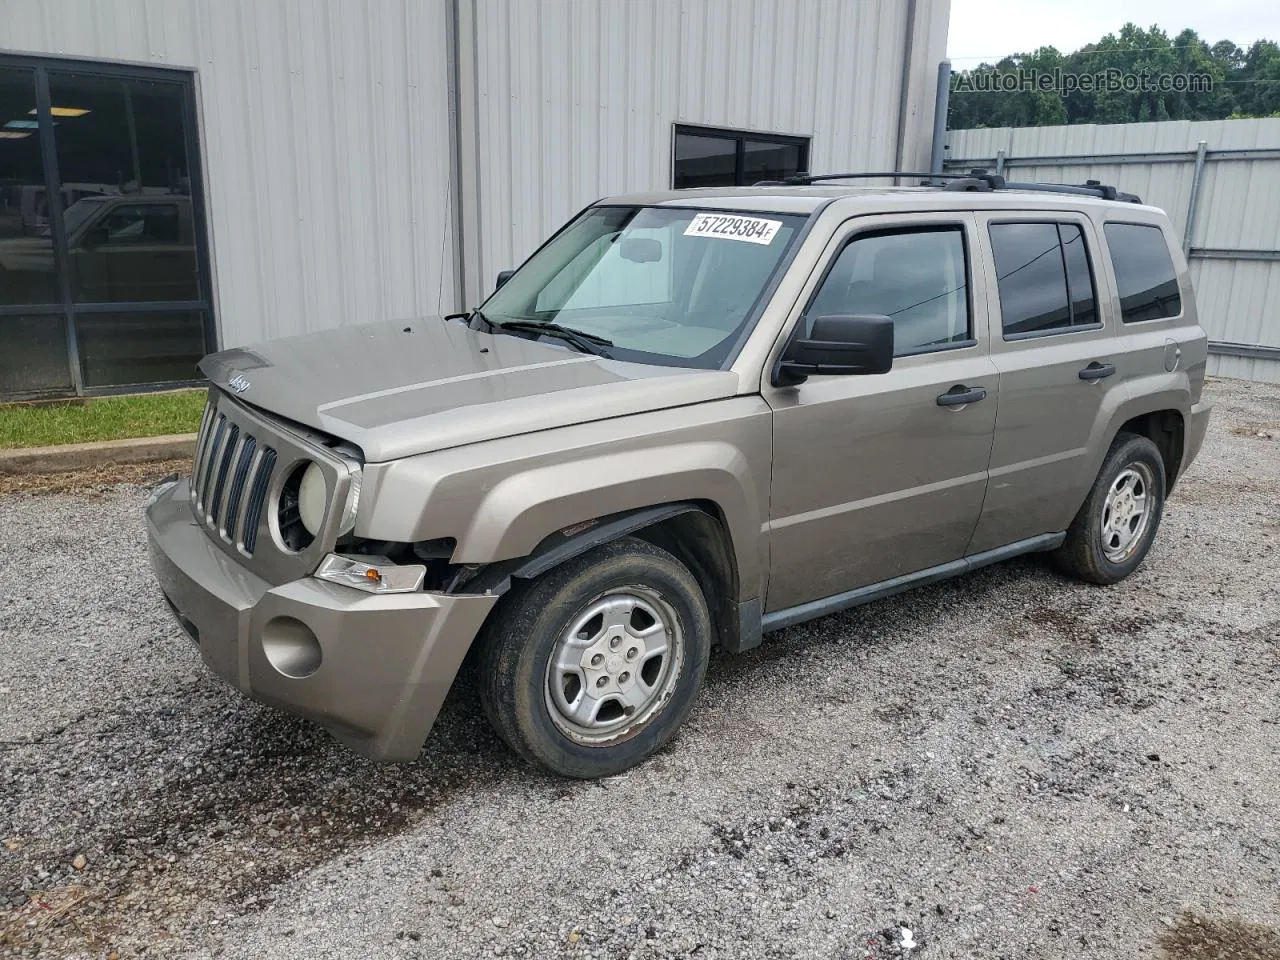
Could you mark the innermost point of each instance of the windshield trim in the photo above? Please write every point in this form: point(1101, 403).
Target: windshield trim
point(752, 317)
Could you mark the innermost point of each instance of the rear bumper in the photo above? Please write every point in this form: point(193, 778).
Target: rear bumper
point(372, 670)
point(1196, 427)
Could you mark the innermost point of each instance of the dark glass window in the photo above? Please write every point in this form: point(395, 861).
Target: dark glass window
point(1044, 278)
point(918, 278)
point(129, 231)
point(33, 355)
point(1084, 302)
point(1147, 282)
point(708, 157)
point(26, 239)
point(765, 160)
point(101, 250)
point(132, 348)
point(705, 161)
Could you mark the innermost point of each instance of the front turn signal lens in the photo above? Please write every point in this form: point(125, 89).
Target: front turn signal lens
point(372, 574)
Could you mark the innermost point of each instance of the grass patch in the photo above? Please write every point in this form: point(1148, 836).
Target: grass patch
point(103, 418)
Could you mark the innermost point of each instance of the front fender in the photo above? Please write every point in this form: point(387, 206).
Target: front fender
point(500, 499)
point(522, 510)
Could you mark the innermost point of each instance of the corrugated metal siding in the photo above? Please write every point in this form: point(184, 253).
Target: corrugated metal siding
point(576, 100)
point(1239, 208)
point(325, 133)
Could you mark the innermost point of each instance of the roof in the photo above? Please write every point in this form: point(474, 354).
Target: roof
point(809, 198)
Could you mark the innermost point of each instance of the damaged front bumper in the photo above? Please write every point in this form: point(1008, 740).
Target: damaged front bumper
point(371, 669)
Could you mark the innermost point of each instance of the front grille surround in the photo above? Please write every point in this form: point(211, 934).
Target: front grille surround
point(243, 461)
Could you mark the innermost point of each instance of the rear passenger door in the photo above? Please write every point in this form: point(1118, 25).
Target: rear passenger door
point(1056, 351)
point(879, 476)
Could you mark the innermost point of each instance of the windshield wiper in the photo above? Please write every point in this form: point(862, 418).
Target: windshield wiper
point(586, 342)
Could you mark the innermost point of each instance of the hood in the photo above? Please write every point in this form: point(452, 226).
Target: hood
point(399, 388)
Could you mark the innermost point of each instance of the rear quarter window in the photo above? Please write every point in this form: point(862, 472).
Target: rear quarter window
point(1145, 276)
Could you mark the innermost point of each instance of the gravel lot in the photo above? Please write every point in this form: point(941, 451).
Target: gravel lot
point(1008, 765)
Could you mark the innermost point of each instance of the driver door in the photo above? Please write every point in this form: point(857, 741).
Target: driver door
point(881, 476)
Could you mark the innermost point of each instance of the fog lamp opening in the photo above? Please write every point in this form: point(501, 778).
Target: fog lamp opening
point(291, 647)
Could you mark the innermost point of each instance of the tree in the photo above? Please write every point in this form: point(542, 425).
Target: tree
point(1132, 75)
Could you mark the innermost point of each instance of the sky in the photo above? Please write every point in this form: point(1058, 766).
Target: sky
point(982, 30)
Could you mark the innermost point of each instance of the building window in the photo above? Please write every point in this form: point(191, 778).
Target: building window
point(102, 246)
point(1044, 277)
point(710, 157)
point(1145, 276)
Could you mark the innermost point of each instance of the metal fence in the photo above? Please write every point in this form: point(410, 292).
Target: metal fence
point(1219, 181)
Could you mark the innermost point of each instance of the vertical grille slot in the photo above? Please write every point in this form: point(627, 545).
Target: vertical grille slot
point(202, 441)
point(243, 462)
point(257, 498)
point(209, 467)
point(221, 469)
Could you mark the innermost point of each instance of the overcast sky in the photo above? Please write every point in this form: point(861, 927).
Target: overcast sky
point(987, 31)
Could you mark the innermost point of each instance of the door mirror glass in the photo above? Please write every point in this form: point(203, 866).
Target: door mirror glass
point(503, 277)
point(839, 344)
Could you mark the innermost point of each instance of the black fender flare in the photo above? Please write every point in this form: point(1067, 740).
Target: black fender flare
point(568, 543)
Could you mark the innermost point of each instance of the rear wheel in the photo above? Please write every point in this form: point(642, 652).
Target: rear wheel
point(1115, 528)
point(592, 667)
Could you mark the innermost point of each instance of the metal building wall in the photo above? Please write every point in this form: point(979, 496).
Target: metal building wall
point(1238, 208)
point(325, 138)
point(575, 99)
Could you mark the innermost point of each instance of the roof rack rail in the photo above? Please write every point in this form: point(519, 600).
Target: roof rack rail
point(975, 180)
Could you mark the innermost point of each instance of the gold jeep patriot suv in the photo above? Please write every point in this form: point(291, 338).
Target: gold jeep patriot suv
point(690, 418)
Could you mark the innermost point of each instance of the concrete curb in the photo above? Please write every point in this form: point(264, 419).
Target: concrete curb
point(81, 456)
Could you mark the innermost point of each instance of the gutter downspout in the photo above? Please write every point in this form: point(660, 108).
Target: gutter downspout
point(904, 86)
point(942, 99)
point(464, 151)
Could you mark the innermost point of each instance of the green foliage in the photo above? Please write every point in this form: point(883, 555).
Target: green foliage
point(105, 418)
point(1232, 82)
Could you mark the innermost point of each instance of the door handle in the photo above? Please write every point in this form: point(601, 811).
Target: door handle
point(1097, 371)
point(960, 394)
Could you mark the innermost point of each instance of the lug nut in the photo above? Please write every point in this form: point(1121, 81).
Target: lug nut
point(615, 643)
point(602, 682)
point(624, 676)
point(597, 659)
point(633, 653)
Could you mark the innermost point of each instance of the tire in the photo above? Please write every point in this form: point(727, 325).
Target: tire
point(562, 693)
point(1098, 549)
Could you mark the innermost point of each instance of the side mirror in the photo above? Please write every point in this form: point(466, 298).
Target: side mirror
point(838, 345)
point(503, 277)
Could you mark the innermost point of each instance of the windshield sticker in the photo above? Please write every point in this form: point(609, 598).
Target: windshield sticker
point(725, 227)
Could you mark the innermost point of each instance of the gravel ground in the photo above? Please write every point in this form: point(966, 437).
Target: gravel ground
point(1006, 765)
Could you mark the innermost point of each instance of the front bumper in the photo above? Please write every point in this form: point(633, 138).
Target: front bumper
point(372, 670)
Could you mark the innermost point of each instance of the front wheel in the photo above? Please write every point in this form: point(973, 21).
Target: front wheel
point(592, 667)
point(1110, 536)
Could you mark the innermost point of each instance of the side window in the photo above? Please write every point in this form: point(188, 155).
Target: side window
point(1147, 282)
point(150, 223)
point(1044, 278)
point(918, 278)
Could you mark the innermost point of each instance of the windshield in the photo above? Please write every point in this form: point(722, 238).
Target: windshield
point(662, 284)
point(80, 211)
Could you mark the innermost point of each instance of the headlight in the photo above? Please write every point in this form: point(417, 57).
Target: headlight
point(313, 497)
point(313, 500)
point(372, 574)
